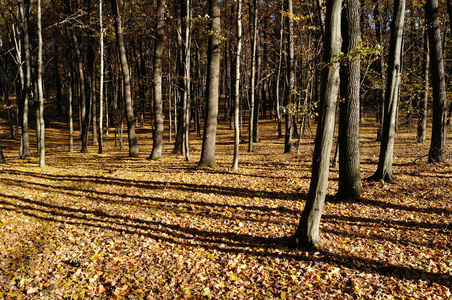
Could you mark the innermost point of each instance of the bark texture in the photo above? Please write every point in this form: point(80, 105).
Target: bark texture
point(213, 76)
point(384, 170)
point(157, 81)
point(437, 152)
point(350, 185)
point(133, 143)
point(307, 234)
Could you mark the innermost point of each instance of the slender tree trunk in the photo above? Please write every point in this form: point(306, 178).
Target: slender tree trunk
point(384, 170)
point(133, 143)
point(350, 185)
point(379, 64)
point(235, 164)
point(157, 81)
point(278, 78)
point(186, 93)
point(213, 74)
point(24, 8)
point(59, 96)
point(437, 152)
point(291, 83)
point(101, 80)
point(253, 78)
point(422, 121)
point(82, 94)
point(70, 102)
point(42, 152)
point(307, 234)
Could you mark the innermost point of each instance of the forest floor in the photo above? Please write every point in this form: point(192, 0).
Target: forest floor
point(90, 226)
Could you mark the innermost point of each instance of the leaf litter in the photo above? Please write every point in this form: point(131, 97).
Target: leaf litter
point(91, 226)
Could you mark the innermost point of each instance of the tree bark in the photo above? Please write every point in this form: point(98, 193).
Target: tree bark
point(83, 104)
point(437, 152)
point(307, 234)
point(213, 74)
point(157, 81)
point(384, 170)
point(422, 121)
point(288, 101)
point(133, 143)
point(101, 79)
point(251, 130)
point(42, 152)
point(235, 164)
point(350, 185)
point(24, 7)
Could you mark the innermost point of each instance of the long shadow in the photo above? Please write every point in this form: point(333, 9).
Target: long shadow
point(200, 207)
point(387, 223)
point(224, 242)
point(386, 205)
point(189, 187)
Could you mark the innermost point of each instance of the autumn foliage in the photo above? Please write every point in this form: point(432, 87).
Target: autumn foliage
point(90, 226)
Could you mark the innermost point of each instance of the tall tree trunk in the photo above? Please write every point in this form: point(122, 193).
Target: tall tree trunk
point(83, 104)
point(384, 170)
point(278, 78)
point(101, 79)
point(157, 81)
point(186, 93)
point(307, 234)
point(70, 102)
point(422, 121)
point(42, 152)
point(379, 65)
point(288, 101)
point(24, 8)
point(350, 185)
point(235, 164)
point(59, 96)
point(133, 143)
point(253, 78)
point(213, 74)
point(437, 152)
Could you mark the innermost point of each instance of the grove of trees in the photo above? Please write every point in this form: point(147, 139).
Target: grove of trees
point(183, 65)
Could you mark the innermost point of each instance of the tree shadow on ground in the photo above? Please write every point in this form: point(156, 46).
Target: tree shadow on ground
point(225, 242)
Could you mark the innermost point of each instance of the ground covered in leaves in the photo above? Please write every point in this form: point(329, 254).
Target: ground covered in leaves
point(91, 226)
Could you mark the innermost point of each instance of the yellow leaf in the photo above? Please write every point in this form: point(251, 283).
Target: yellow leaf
point(233, 277)
point(283, 295)
point(3, 221)
point(293, 277)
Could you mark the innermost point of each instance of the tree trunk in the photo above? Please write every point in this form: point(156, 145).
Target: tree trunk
point(350, 185)
point(437, 152)
point(83, 104)
point(235, 164)
point(24, 8)
point(422, 121)
point(253, 78)
point(42, 152)
point(384, 170)
point(307, 234)
point(101, 79)
point(379, 65)
point(278, 78)
point(288, 101)
point(186, 92)
point(157, 81)
point(213, 72)
point(133, 143)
